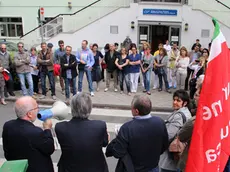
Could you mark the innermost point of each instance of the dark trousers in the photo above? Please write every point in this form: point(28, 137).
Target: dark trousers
point(189, 72)
point(164, 76)
point(35, 82)
point(51, 81)
point(9, 87)
point(103, 74)
point(124, 77)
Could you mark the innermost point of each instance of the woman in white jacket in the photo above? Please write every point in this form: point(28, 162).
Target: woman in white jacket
point(181, 65)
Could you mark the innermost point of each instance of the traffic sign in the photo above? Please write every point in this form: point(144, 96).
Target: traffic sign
point(42, 11)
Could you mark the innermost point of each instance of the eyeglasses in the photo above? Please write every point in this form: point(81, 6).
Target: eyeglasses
point(33, 109)
point(20, 46)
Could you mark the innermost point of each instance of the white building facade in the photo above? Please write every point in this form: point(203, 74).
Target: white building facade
point(110, 21)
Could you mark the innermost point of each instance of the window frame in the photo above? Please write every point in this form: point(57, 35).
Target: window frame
point(7, 24)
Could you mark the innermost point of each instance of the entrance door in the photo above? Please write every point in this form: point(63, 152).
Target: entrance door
point(158, 34)
point(174, 34)
point(143, 34)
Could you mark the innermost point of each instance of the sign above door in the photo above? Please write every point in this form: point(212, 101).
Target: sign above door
point(164, 12)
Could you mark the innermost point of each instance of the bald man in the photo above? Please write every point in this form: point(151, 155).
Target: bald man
point(6, 64)
point(23, 140)
point(141, 141)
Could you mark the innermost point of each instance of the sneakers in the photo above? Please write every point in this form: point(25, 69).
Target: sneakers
point(54, 97)
point(106, 89)
point(63, 92)
point(78, 92)
point(42, 97)
point(92, 94)
point(115, 90)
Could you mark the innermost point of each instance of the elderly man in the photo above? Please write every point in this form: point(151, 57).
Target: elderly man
point(23, 140)
point(6, 63)
point(140, 141)
point(23, 69)
point(81, 139)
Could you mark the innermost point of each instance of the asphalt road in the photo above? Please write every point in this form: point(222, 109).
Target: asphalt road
point(110, 116)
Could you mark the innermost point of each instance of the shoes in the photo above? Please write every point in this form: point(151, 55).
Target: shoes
point(159, 89)
point(3, 102)
point(92, 94)
point(67, 101)
point(12, 94)
point(115, 90)
point(168, 91)
point(34, 97)
point(54, 97)
point(78, 92)
point(148, 92)
point(98, 89)
point(106, 89)
point(42, 97)
point(121, 92)
point(63, 92)
point(129, 94)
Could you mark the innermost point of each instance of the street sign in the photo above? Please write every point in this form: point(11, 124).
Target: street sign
point(42, 11)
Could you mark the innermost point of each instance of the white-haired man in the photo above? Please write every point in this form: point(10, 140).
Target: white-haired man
point(23, 140)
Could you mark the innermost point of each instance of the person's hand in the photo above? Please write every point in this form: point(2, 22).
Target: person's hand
point(90, 68)
point(108, 136)
point(35, 67)
point(47, 61)
point(119, 67)
point(47, 124)
point(82, 62)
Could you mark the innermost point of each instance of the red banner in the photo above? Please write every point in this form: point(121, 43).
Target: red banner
point(210, 145)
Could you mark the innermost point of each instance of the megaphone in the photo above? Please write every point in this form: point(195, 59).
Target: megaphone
point(58, 111)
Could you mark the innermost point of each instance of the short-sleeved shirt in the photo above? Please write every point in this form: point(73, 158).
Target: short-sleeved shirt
point(121, 61)
point(134, 68)
point(97, 59)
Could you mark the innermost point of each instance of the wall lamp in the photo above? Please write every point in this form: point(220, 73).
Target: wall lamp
point(70, 5)
point(132, 25)
point(186, 27)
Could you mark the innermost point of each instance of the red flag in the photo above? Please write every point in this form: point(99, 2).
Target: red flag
point(210, 145)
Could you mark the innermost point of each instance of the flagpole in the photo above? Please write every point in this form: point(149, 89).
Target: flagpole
point(223, 4)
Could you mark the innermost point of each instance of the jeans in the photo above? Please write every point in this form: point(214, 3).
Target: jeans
point(51, 81)
point(124, 76)
point(28, 77)
point(154, 170)
point(155, 80)
point(147, 79)
point(172, 79)
point(89, 79)
point(67, 86)
point(164, 76)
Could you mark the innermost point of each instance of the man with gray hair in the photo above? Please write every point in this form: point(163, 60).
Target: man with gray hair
point(141, 140)
point(81, 139)
point(23, 140)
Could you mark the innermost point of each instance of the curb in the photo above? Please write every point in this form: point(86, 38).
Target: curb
point(98, 105)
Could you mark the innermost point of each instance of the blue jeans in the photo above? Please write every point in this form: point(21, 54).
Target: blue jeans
point(154, 170)
point(147, 79)
point(89, 79)
point(28, 77)
point(67, 85)
point(163, 76)
point(51, 80)
point(124, 76)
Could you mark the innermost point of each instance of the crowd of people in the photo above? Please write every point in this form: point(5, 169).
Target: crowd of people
point(177, 67)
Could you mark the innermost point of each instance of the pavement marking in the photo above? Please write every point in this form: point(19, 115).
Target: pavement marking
point(110, 112)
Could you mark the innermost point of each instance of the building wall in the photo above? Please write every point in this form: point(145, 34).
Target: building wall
point(99, 31)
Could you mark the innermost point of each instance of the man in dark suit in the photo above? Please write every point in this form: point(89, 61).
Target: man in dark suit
point(69, 71)
point(81, 139)
point(23, 140)
point(143, 139)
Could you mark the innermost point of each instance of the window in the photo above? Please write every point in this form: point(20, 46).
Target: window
point(11, 26)
point(114, 29)
point(171, 1)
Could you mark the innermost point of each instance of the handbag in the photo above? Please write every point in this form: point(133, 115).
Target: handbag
point(177, 148)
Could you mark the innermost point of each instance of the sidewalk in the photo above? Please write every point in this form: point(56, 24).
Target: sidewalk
point(161, 101)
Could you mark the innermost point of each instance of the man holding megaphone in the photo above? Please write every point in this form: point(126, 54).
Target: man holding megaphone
point(23, 140)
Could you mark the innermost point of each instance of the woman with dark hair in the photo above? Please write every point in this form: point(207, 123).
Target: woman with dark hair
point(174, 123)
point(96, 70)
point(103, 64)
point(205, 53)
point(161, 62)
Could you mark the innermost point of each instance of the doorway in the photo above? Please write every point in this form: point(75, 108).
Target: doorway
point(158, 34)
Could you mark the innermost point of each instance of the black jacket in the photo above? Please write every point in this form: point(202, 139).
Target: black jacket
point(81, 142)
point(71, 65)
point(110, 61)
point(144, 140)
point(23, 140)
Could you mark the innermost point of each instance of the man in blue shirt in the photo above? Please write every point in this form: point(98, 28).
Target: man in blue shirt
point(85, 62)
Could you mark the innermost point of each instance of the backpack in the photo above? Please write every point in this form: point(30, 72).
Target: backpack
point(177, 147)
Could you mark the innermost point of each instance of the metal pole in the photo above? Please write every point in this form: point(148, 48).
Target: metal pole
point(223, 4)
point(42, 32)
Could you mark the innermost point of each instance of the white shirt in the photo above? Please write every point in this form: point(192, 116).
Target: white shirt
point(167, 47)
point(183, 63)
